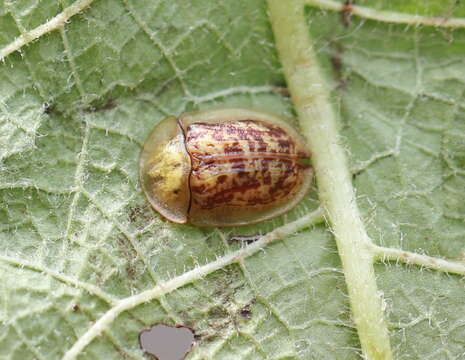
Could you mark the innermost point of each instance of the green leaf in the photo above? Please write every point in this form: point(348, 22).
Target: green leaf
point(77, 238)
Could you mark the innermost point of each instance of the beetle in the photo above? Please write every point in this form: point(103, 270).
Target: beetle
point(224, 167)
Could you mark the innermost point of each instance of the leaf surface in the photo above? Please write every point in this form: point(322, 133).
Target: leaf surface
point(76, 234)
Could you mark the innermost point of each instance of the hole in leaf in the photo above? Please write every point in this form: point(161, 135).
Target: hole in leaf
point(167, 342)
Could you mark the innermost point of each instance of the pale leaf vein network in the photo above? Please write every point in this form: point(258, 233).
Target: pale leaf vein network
point(389, 16)
point(53, 24)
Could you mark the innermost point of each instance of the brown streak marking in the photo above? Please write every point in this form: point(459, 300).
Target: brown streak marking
point(221, 179)
point(253, 156)
point(283, 162)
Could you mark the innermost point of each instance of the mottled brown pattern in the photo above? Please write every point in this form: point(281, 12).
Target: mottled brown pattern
point(242, 163)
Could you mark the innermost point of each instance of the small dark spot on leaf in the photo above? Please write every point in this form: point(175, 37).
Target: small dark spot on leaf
point(337, 52)
point(245, 239)
point(245, 312)
point(346, 13)
point(354, 175)
point(167, 342)
point(125, 250)
point(49, 108)
point(336, 61)
point(131, 271)
point(218, 312)
point(139, 212)
point(76, 307)
point(134, 213)
point(96, 108)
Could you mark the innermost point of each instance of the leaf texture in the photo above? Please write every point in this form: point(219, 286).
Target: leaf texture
point(77, 236)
